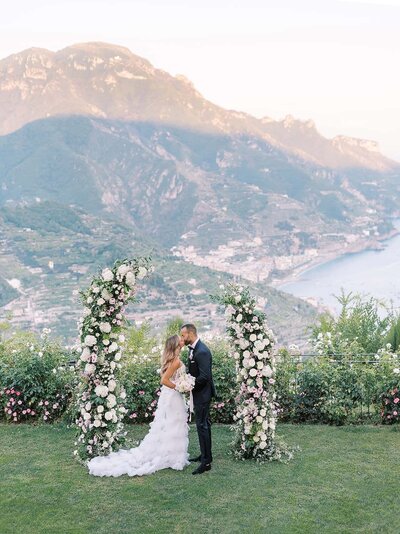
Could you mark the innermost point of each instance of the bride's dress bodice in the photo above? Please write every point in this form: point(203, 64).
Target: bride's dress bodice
point(165, 445)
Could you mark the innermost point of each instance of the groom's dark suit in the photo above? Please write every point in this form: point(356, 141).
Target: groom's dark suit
point(200, 366)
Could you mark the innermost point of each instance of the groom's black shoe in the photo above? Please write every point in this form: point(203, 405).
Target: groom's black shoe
point(201, 469)
point(196, 459)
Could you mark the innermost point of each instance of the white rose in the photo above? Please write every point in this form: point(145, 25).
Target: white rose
point(113, 365)
point(253, 337)
point(108, 416)
point(105, 294)
point(396, 371)
point(130, 279)
point(265, 425)
point(252, 363)
point(246, 354)
point(123, 395)
point(111, 400)
point(263, 412)
point(267, 371)
point(89, 300)
point(239, 317)
point(85, 354)
point(263, 444)
point(123, 269)
point(100, 302)
point(238, 298)
point(88, 406)
point(260, 365)
point(86, 416)
point(90, 341)
point(117, 357)
point(253, 372)
point(113, 347)
point(142, 273)
point(101, 391)
point(107, 275)
point(259, 419)
point(256, 439)
point(97, 423)
point(112, 385)
point(100, 409)
point(105, 327)
point(90, 368)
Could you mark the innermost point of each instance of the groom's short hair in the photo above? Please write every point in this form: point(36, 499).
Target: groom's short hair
point(190, 328)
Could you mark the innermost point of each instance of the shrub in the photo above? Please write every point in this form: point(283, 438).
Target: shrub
point(36, 380)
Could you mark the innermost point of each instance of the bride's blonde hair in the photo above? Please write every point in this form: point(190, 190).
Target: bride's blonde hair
point(170, 352)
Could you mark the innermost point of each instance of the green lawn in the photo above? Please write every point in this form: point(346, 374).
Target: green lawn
point(344, 479)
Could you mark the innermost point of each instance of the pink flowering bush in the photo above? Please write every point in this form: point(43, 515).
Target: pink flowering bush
point(36, 379)
point(390, 412)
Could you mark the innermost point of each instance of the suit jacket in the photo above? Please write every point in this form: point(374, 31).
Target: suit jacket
point(200, 366)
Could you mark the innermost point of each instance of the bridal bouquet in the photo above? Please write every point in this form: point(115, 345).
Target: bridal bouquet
point(185, 383)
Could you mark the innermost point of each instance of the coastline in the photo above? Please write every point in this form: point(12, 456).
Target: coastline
point(325, 257)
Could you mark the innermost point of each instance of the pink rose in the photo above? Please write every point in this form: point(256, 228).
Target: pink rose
point(141, 392)
point(396, 400)
point(394, 412)
point(18, 393)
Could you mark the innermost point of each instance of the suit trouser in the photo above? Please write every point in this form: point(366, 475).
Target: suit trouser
point(203, 424)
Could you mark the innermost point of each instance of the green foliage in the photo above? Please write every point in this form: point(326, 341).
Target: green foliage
point(393, 336)
point(173, 327)
point(36, 380)
point(360, 328)
point(326, 390)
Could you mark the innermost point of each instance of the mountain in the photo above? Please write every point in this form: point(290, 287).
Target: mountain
point(109, 81)
point(102, 156)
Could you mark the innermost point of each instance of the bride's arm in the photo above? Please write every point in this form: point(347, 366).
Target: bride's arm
point(165, 379)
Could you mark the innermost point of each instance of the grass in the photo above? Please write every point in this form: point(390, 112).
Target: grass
point(345, 479)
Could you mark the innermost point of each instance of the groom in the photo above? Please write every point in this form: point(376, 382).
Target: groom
point(200, 362)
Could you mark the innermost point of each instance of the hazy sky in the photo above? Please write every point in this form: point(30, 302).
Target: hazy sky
point(335, 61)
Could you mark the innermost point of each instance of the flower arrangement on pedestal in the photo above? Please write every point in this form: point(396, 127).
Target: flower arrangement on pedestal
point(252, 344)
point(100, 396)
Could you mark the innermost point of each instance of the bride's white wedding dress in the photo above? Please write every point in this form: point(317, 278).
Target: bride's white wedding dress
point(165, 445)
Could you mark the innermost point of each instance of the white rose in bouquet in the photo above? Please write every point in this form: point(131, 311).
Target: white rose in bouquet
point(185, 383)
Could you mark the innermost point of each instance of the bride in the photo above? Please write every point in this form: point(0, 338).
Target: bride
point(167, 441)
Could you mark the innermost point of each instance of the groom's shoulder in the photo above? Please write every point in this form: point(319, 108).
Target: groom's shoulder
point(203, 347)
